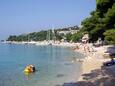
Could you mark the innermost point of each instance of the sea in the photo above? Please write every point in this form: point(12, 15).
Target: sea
point(54, 65)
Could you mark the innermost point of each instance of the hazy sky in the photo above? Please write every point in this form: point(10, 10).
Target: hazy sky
point(21, 16)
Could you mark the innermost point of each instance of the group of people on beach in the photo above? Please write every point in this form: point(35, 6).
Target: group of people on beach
point(86, 48)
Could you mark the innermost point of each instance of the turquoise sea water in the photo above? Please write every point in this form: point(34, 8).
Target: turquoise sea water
point(53, 64)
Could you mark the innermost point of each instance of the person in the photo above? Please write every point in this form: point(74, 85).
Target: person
point(32, 68)
point(29, 69)
point(112, 60)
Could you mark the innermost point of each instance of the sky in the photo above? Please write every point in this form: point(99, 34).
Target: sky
point(25, 16)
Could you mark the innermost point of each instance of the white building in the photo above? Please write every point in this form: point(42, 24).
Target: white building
point(67, 32)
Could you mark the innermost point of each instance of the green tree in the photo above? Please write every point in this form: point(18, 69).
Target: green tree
point(109, 19)
point(68, 37)
point(102, 6)
point(102, 19)
point(77, 37)
point(110, 36)
point(12, 38)
point(41, 35)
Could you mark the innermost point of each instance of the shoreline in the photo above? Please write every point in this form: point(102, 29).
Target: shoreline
point(93, 55)
point(93, 59)
point(70, 46)
point(43, 43)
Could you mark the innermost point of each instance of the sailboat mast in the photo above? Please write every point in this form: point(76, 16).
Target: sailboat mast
point(53, 34)
point(48, 35)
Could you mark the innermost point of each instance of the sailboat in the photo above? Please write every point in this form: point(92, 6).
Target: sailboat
point(50, 37)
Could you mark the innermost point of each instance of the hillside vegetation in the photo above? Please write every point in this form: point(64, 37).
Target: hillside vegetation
point(101, 23)
point(44, 35)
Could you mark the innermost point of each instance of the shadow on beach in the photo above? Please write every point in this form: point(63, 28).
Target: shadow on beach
point(100, 77)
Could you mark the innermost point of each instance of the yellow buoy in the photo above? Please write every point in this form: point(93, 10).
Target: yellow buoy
point(27, 70)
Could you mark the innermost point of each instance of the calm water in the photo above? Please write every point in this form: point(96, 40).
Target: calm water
point(53, 64)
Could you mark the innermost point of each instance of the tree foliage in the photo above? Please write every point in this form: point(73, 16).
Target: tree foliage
point(68, 37)
point(42, 35)
point(101, 20)
point(77, 37)
point(35, 36)
point(110, 36)
point(109, 19)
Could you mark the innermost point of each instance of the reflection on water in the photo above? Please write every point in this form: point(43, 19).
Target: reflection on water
point(53, 65)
